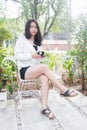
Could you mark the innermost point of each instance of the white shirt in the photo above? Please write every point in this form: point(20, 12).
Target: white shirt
point(23, 53)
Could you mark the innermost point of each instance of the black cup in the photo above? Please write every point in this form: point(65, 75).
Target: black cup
point(41, 53)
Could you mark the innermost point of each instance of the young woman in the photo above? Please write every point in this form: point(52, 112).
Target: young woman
point(28, 61)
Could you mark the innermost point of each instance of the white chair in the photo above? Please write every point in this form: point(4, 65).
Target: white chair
point(20, 81)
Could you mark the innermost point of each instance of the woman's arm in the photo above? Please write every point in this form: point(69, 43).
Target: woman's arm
point(19, 52)
point(35, 55)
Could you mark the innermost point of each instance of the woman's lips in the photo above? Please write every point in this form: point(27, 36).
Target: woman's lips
point(33, 32)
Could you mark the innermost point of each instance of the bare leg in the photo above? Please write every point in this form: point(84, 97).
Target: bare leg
point(44, 74)
point(38, 70)
point(44, 90)
point(44, 94)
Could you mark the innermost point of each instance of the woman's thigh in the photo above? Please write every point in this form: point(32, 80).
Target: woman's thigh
point(35, 71)
point(43, 79)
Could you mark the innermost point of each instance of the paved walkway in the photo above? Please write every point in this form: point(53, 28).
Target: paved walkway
point(70, 113)
point(8, 117)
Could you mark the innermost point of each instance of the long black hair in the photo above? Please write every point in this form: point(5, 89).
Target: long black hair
point(38, 36)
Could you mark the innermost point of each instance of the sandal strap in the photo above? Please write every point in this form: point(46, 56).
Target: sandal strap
point(46, 111)
point(67, 93)
point(71, 92)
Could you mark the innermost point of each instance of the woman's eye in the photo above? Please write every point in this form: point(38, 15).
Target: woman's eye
point(31, 26)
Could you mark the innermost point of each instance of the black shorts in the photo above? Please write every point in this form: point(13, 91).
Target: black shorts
point(22, 71)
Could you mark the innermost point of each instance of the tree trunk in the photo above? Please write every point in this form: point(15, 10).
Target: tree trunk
point(1, 44)
point(68, 14)
point(83, 76)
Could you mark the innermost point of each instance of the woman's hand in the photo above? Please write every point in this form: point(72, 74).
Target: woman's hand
point(35, 55)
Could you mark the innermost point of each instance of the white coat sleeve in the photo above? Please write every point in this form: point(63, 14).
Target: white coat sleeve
point(20, 53)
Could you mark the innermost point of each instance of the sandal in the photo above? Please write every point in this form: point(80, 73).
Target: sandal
point(47, 112)
point(68, 92)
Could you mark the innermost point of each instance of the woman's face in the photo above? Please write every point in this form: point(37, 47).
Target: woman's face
point(33, 29)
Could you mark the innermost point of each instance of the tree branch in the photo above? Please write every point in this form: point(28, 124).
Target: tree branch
point(55, 14)
point(18, 1)
point(17, 22)
point(39, 13)
point(31, 7)
point(41, 1)
point(47, 20)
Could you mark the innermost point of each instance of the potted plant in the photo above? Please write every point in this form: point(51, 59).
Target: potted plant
point(3, 80)
point(10, 75)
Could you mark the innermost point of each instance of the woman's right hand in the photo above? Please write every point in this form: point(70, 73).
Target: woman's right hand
point(35, 55)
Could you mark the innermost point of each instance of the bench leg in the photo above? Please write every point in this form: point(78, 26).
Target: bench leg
point(20, 95)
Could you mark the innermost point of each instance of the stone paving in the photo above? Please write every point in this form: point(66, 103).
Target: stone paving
point(8, 117)
point(70, 113)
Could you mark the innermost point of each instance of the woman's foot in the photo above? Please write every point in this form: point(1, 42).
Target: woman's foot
point(69, 93)
point(47, 112)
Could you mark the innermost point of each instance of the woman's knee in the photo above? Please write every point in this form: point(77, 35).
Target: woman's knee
point(44, 68)
point(43, 79)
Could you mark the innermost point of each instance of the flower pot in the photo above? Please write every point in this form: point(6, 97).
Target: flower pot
point(3, 98)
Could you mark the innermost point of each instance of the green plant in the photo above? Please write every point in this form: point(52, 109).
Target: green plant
point(2, 80)
point(80, 49)
point(51, 59)
point(12, 87)
point(68, 66)
point(5, 33)
point(10, 75)
point(7, 70)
